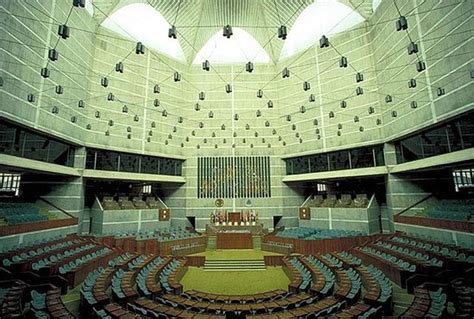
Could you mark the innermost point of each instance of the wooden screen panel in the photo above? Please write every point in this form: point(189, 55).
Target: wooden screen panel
point(234, 177)
point(305, 213)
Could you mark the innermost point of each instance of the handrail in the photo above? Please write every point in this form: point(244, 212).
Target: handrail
point(415, 204)
point(55, 206)
point(99, 203)
point(307, 198)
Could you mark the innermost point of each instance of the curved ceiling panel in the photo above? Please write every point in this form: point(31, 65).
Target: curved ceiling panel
point(323, 17)
point(141, 22)
point(240, 48)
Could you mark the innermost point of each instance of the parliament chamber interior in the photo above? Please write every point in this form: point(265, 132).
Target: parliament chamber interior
point(236, 159)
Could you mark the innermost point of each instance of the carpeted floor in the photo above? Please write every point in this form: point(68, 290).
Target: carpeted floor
point(235, 282)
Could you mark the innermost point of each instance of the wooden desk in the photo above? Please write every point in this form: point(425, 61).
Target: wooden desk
point(234, 240)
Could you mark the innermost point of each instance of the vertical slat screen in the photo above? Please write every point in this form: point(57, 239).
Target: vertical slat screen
point(229, 177)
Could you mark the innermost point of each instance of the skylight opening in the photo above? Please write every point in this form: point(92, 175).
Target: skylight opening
point(375, 4)
point(141, 22)
point(240, 48)
point(323, 17)
point(89, 7)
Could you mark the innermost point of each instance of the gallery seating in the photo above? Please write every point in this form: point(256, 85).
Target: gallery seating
point(315, 233)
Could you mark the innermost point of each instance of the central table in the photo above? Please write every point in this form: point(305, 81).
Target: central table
point(234, 240)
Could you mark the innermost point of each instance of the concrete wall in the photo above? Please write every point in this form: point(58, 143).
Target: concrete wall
point(373, 48)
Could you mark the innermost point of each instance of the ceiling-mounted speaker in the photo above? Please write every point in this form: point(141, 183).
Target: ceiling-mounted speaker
point(315, 122)
point(288, 117)
point(359, 91)
point(371, 110)
point(420, 66)
point(211, 114)
point(378, 122)
point(150, 133)
point(119, 67)
point(197, 107)
point(227, 31)
point(110, 97)
point(343, 104)
point(180, 119)
point(59, 89)
point(164, 113)
point(234, 134)
point(339, 133)
point(156, 89)
point(206, 65)
point(285, 73)
point(256, 134)
point(55, 110)
point(343, 62)
point(324, 42)
point(412, 83)
point(267, 123)
point(394, 114)
point(63, 31)
point(440, 92)
point(388, 99)
point(260, 94)
point(413, 104)
point(306, 86)
point(129, 136)
point(412, 48)
point(97, 114)
point(236, 117)
point(263, 140)
point(136, 118)
point(156, 102)
point(293, 127)
point(177, 76)
point(339, 126)
point(79, 3)
point(401, 24)
point(104, 82)
point(140, 48)
point(81, 104)
point(213, 134)
point(302, 109)
point(356, 119)
point(361, 128)
point(107, 133)
point(249, 67)
point(153, 124)
point(124, 109)
point(247, 126)
point(45, 73)
point(270, 104)
point(53, 54)
point(88, 127)
point(228, 88)
point(359, 77)
point(317, 131)
point(111, 123)
point(223, 127)
point(258, 113)
point(172, 32)
point(30, 98)
point(202, 96)
point(312, 98)
point(282, 32)
point(331, 114)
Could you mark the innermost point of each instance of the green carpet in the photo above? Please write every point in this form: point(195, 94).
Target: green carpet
point(235, 282)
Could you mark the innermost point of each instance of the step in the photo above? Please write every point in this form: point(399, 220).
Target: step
point(234, 265)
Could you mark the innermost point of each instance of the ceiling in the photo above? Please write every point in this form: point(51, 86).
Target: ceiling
point(198, 20)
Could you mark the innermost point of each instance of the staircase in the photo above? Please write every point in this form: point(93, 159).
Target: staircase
point(211, 242)
point(234, 265)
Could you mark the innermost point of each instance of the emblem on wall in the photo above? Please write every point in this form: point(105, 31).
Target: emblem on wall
point(219, 202)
